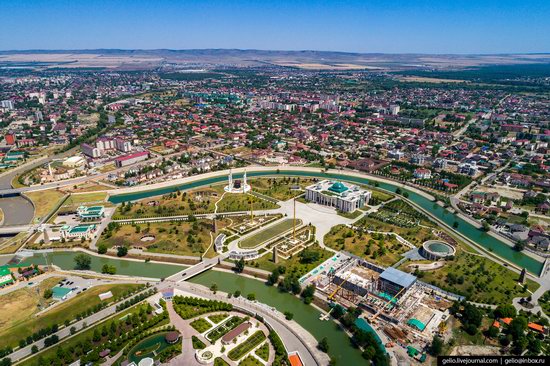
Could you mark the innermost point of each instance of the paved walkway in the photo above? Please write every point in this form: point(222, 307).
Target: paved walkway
point(187, 356)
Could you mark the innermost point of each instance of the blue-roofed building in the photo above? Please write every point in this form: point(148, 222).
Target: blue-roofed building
point(392, 281)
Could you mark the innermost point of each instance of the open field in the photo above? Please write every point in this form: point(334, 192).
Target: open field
point(44, 201)
point(76, 200)
point(19, 305)
point(268, 233)
point(26, 325)
point(420, 79)
point(183, 238)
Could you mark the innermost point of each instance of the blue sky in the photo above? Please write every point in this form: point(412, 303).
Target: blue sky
point(393, 26)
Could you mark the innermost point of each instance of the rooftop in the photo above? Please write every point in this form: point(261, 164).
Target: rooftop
point(398, 277)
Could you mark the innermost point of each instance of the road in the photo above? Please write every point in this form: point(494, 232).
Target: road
point(66, 332)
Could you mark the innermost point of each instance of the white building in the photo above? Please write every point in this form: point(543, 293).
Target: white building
point(77, 232)
point(346, 198)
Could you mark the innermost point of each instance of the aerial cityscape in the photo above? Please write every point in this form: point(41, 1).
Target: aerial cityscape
point(238, 202)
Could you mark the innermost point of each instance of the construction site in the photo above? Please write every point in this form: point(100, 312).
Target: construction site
point(407, 311)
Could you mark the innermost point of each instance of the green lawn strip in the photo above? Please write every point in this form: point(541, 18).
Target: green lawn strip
point(200, 325)
point(68, 310)
point(197, 343)
point(224, 328)
point(263, 352)
point(268, 233)
point(246, 346)
point(218, 361)
point(190, 307)
point(250, 361)
point(216, 318)
point(84, 341)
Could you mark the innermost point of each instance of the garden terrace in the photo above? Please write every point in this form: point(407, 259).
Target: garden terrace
point(224, 328)
point(287, 247)
point(246, 346)
point(244, 224)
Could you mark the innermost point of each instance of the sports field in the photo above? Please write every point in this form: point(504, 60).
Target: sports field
point(268, 233)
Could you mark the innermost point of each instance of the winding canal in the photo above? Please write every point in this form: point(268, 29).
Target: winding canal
point(483, 239)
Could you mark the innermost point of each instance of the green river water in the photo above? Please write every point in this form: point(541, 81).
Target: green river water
point(65, 260)
point(481, 238)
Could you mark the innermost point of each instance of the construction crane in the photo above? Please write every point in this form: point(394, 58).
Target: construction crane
point(339, 287)
point(385, 305)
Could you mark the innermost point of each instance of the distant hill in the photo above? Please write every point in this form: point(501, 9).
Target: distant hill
point(307, 59)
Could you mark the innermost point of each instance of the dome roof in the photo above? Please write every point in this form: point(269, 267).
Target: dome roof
point(338, 187)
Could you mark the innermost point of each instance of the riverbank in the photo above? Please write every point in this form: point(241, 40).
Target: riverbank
point(480, 239)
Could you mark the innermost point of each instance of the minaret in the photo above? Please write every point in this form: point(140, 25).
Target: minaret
point(522, 276)
point(275, 255)
point(230, 180)
point(244, 181)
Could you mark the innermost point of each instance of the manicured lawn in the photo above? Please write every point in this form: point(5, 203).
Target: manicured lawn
point(478, 278)
point(246, 346)
point(44, 201)
point(216, 318)
point(376, 248)
point(250, 361)
point(68, 310)
point(218, 361)
point(351, 215)
point(281, 188)
point(268, 233)
point(380, 195)
point(200, 325)
point(181, 237)
point(197, 201)
point(263, 351)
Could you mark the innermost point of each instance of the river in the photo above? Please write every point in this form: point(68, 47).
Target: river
point(483, 239)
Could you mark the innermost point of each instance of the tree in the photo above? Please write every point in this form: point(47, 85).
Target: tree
point(239, 266)
point(48, 293)
point(34, 349)
point(517, 327)
point(122, 251)
point(251, 297)
point(102, 249)
point(323, 345)
point(83, 261)
point(288, 315)
point(505, 311)
point(214, 288)
point(436, 347)
point(108, 269)
point(273, 278)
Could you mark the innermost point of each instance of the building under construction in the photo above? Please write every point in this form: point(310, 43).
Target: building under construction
point(394, 297)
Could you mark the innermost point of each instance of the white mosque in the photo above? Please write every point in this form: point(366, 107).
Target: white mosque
point(236, 186)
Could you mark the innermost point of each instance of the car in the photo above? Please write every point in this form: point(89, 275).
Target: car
point(30, 283)
point(183, 274)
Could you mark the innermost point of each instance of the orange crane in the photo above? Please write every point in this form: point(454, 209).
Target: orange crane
point(385, 305)
point(339, 287)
